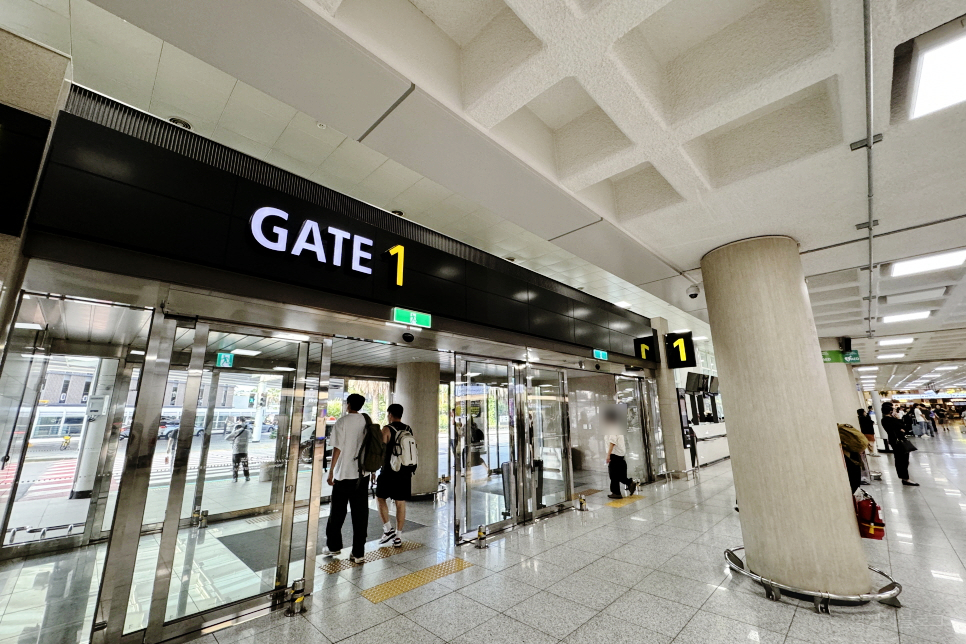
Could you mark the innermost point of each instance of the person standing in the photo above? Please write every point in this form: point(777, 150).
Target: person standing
point(348, 482)
point(239, 450)
point(920, 420)
point(893, 428)
point(867, 427)
point(941, 418)
point(392, 484)
point(617, 467)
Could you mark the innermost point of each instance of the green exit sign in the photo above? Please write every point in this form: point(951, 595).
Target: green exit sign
point(412, 318)
point(225, 360)
point(600, 355)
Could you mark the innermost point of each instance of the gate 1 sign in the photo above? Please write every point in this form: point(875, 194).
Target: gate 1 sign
point(679, 348)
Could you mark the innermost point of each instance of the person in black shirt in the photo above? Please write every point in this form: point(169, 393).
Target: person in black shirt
point(893, 428)
point(392, 484)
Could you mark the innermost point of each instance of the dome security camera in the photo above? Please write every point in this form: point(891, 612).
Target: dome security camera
point(408, 337)
point(597, 366)
point(693, 291)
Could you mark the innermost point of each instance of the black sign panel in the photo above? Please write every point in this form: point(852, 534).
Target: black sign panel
point(679, 348)
point(647, 348)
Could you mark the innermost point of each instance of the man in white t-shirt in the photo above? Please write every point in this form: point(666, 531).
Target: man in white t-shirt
point(617, 467)
point(349, 485)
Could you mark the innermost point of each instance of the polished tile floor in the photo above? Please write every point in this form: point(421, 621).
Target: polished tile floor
point(651, 571)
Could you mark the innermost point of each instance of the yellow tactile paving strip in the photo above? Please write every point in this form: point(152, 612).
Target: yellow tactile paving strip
point(336, 565)
point(627, 500)
point(390, 589)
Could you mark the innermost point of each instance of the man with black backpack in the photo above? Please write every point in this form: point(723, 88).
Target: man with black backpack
point(352, 452)
point(396, 475)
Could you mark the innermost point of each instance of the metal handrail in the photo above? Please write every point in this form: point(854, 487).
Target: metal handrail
point(888, 594)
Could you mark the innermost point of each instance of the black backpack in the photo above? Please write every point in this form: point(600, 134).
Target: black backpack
point(372, 452)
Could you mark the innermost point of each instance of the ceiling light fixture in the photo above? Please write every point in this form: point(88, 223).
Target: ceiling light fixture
point(245, 352)
point(137, 353)
point(940, 80)
point(866, 368)
point(930, 263)
point(895, 342)
point(294, 337)
point(180, 122)
point(682, 331)
point(890, 356)
point(946, 368)
point(283, 368)
point(623, 304)
point(700, 337)
point(33, 326)
point(906, 317)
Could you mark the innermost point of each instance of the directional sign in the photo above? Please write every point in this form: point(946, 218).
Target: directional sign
point(412, 318)
point(600, 355)
point(646, 348)
point(679, 349)
point(225, 360)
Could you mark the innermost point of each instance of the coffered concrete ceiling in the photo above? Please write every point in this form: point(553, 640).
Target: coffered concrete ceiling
point(608, 143)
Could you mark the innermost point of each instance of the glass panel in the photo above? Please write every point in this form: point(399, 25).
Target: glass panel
point(481, 399)
point(117, 466)
point(655, 432)
point(547, 415)
point(236, 558)
point(629, 395)
point(590, 395)
point(444, 456)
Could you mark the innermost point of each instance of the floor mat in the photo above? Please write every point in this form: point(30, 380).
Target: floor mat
point(258, 549)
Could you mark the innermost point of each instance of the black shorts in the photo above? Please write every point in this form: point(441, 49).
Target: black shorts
point(397, 486)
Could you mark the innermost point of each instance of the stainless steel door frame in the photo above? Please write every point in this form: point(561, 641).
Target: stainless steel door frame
point(122, 547)
point(205, 446)
point(654, 427)
point(532, 507)
point(318, 455)
point(179, 476)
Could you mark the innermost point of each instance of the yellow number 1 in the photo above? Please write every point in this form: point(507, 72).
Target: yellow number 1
point(679, 345)
point(644, 349)
point(400, 260)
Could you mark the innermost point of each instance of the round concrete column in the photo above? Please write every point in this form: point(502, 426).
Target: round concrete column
point(797, 519)
point(841, 385)
point(417, 390)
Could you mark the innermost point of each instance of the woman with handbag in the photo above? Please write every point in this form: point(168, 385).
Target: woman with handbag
point(901, 446)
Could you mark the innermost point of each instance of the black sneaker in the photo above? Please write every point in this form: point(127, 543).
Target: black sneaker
point(387, 536)
point(631, 488)
point(614, 496)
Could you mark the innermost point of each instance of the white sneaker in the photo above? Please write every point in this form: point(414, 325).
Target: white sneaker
point(357, 560)
point(397, 540)
point(330, 553)
point(387, 536)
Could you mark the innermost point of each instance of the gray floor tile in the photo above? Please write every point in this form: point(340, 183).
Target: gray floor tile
point(492, 558)
point(696, 569)
point(536, 573)
point(348, 618)
point(809, 626)
point(654, 613)
point(451, 616)
point(503, 630)
point(417, 597)
point(499, 592)
point(617, 572)
point(587, 590)
point(641, 556)
point(676, 588)
point(708, 628)
point(550, 614)
point(465, 577)
point(751, 609)
point(398, 630)
point(567, 557)
point(612, 630)
point(931, 627)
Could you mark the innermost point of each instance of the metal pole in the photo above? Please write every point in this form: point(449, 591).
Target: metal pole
point(292, 468)
point(205, 445)
point(867, 19)
point(318, 457)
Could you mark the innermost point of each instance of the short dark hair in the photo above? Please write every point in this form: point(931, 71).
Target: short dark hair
point(395, 410)
point(887, 408)
point(355, 401)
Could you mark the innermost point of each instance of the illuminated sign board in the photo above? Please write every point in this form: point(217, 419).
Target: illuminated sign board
point(311, 238)
point(679, 350)
point(646, 348)
point(600, 355)
point(412, 318)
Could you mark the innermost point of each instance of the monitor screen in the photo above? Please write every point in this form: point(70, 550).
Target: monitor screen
point(704, 383)
point(693, 384)
point(713, 385)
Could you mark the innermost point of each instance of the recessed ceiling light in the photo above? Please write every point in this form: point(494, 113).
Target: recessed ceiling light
point(895, 342)
point(890, 356)
point(940, 80)
point(245, 352)
point(137, 353)
point(295, 337)
point(623, 304)
point(682, 331)
point(930, 263)
point(283, 368)
point(28, 325)
point(866, 368)
point(906, 317)
point(946, 368)
point(700, 337)
point(180, 122)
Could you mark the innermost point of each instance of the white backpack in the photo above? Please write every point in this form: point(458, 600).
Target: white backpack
point(404, 452)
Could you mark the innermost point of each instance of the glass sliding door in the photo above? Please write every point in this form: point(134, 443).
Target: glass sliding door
point(629, 395)
point(548, 468)
point(485, 447)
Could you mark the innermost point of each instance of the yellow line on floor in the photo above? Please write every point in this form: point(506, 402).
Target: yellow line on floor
point(403, 584)
point(335, 565)
point(627, 500)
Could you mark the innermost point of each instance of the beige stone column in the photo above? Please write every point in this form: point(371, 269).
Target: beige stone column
point(841, 385)
point(417, 390)
point(797, 519)
point(678, 458)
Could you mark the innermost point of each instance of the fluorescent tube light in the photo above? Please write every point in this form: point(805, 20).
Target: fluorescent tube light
point(890, 356)
point(682, 331)
point(623, 304)
point(895, 342)
point(946, 368)
point(700, 337)
point(28, 325)
point(295, 337)
point(283, 368)
point(930, 263)
point(137, 352)
point(906, 317)
point(866, 368)
point(245, 352)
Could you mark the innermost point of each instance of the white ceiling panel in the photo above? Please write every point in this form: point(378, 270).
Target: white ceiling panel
point(304, 140)
point(190, 89)
point(256, 115)
point(604, 245)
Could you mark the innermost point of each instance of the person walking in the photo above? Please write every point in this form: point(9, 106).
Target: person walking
point(941, 418)
point(617, 467)
point(348, 482)
point(392, 484)
point(920, 420)
point(898, 441)
point(239, 438)
point(932, 422)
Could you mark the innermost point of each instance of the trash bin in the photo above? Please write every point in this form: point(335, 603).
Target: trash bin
point(265, 471)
